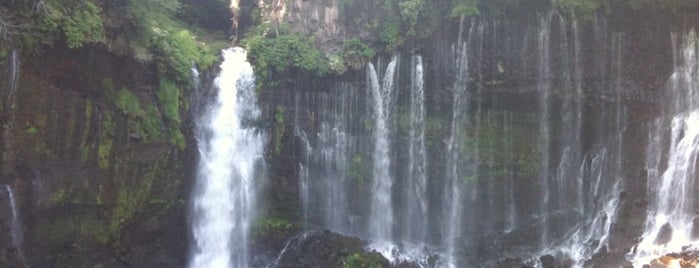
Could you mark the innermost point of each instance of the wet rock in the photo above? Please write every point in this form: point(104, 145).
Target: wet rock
point(695, 228)
point(664, 235)
point(327, 249)
point(511, 263)
point(685, 259)
point(548, 261)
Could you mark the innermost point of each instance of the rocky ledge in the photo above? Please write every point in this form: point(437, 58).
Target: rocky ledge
point(685, 259)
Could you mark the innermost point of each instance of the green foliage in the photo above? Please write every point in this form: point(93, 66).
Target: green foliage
point(356, 53)
point(82, 24)
point(150, 15)
point(151, 124)
point(286, 52)
point(179, 50)
point(280, 130)
point(411, 11)
point(169, 97)
point(363, 260)
point(104, 148)
point(390, 33)
point(268, 225)
point(582, 8)
point(465, 8)
point(128, 103)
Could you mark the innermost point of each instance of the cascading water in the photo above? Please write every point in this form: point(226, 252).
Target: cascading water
point(14, 73)
point(15, 225)
point(230, 152)
point(543, 90)
point(672, 223)
point(456, 180)
point(416, 206)
point(453, 186)
point(381, 219)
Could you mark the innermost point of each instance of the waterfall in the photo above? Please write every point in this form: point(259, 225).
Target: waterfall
point(672, 223)
point(230, 152)
point(543, 89)
point(8, 103)
point(415, 223)
point(14, 73)
point(15, 225)
point(325, 124)
point(453, 186)
point(381, 219)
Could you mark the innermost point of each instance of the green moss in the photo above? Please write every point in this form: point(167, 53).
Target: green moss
point(465, 8)
point(177, 139)
point(280, 130)
point(58, 196)
point(128, 103)
point(169, 97)
point(32, 130)
point(359, 170)
point(582, 8)
point(106, 140)
point(268, 225)
point(363, 260)
point(151, 125)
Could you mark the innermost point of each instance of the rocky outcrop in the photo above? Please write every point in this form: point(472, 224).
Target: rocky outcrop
point(327, 249)
point(685, 259)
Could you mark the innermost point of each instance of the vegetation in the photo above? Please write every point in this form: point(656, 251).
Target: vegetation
point(153, 32)
point(501, 147)
point(279, 131)
point(268, 225)
point(281, 51)
point(364, 260)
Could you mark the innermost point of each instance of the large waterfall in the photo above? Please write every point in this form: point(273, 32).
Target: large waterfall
point(421, 177)
point(381, 219)
point(230, 154)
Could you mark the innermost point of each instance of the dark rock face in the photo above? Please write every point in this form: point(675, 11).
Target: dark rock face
point(505, 76)
point(89, 193)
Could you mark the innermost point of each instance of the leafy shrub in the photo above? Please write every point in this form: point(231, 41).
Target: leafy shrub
point(128, 103)
point(283, 53)
point(356, 53)
point(82, 24)
point(169, 96)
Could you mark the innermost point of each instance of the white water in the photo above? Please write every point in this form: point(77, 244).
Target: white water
point(381, 219)
point(543, 89)
point(453, 186)
point(14, 72)
point(15, 225)
point(416, 206)
point(672, 190)
point(230, 152)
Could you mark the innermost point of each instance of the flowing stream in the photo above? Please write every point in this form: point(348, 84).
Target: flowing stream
point(230, 154)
